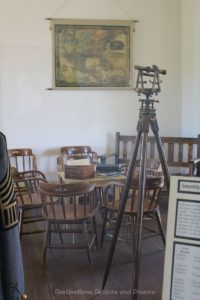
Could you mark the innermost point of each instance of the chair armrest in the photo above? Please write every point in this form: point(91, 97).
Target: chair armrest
point(109, 191)
point(124, 169)
point(27, 174)
point(195, 160)
point(111, 184)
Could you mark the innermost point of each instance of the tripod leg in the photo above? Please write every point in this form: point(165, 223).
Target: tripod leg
point(155, 129)
point(139, 217)
point(123, 202)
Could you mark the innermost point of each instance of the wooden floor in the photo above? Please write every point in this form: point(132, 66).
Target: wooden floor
point(68, 275)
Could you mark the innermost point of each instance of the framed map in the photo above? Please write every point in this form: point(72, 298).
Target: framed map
point(92, 54)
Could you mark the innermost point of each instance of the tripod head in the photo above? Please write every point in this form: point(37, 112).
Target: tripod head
point(150, 87)
point(153, 85)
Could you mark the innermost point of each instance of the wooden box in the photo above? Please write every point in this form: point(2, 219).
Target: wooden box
point(79, 172)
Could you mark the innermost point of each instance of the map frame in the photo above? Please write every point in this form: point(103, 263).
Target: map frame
point(92, 54)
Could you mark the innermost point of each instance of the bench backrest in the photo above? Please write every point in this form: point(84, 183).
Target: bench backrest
point(178, 150)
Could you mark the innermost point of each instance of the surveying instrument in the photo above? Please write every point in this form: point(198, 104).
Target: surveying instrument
point(147, 118)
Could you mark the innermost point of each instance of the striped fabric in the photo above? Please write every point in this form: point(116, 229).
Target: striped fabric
point(7, 202)
point(11, 265)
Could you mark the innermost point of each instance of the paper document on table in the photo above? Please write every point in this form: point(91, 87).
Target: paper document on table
point(79, 162)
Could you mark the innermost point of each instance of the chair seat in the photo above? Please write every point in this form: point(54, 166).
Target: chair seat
point(81, 213)
point(131, 207)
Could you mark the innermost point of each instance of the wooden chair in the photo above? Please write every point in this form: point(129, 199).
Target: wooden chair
point(70, 211)
point(26, 186)
point(111, 204)
point(22, 159)
point(75, 152)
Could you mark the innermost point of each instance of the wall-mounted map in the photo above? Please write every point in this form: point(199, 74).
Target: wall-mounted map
point(92, 54)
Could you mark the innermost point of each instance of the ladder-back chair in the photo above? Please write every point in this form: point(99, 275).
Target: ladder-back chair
point(22, 159)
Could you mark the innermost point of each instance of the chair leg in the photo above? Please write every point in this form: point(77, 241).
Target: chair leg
point(133, 234)
point(159, 223)
point(85, 234)
point(95, 231)
point(98, 196)
point(57, 226)
point(47, 242)
point(103, 227)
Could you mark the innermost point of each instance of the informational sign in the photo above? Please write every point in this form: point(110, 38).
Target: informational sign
point(182, 257)
point(187, 223)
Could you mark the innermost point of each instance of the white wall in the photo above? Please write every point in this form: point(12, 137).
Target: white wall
point(190, 67)
point(34, 117)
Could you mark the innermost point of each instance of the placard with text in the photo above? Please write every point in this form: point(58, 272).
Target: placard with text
point(182, 256)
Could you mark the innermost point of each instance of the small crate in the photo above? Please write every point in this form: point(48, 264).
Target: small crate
point(80, 172)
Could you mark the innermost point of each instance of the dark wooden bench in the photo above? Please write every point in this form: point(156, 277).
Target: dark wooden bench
point(181, 153)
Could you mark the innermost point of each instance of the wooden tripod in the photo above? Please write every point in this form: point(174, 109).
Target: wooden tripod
point(147, 118)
